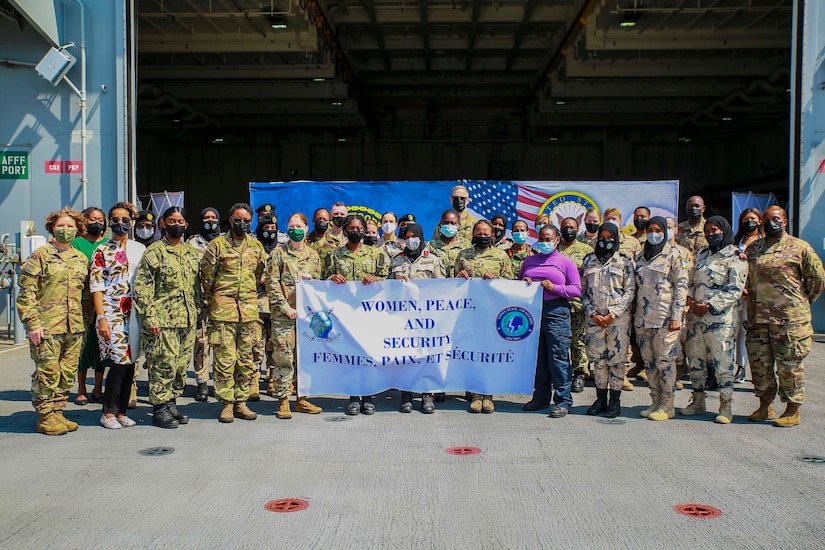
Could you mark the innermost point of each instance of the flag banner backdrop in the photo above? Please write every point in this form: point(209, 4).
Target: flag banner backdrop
point(428, 199)
point(423, 335)
point(741, 201)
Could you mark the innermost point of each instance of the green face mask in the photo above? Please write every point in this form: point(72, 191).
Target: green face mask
point(65, 235)
point(296, 235)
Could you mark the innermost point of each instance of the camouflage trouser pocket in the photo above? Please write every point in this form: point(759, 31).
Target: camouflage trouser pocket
point(215, 333)
point(799, 342)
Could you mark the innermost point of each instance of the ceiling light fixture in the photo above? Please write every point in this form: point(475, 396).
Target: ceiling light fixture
point(277, 21)
point(629, 18)
point(217, 140)
point(727, 118)
point(561, 102)
point(337, 103)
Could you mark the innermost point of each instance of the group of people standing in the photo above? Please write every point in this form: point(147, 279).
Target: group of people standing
point(232, 296)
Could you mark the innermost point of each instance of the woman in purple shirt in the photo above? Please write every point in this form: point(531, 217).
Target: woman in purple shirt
point(559, 277)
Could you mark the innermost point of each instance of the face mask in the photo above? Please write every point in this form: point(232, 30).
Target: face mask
point(240, 228)
point(269, 237)
point(604, 250)
point(355, 236)
point(544, 247)
point(388, 228)
point(520, 237)
point(211, 227)
point(320, 226)
point(773, 229)
point(413, 243)
point(669, 235)
point(95, 229)
point(121, 228)
point(655, 238)
point(640, 223)
point(749, 225)
point(370, 240)
point(499, 233)
point(460, 203)
point(338, 221)
point(591, 227)
point(607, 245)
point(144, 233)
point(614, 222)
point(482, 242)
point(449, 230)
point(65, 235)
point(175, 231)
point(538, 228)
point(296, 235)
point(694, 213)
point(715, 239)
point(569, 234)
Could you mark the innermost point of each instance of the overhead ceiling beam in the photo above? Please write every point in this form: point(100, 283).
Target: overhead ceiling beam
point(520, 31)
point(232, 72)
point(287, 41)
point(471, 40)
point(668, 68)
point(425, 32)
point(444, 14)
point(379, 33)
point(700, 39)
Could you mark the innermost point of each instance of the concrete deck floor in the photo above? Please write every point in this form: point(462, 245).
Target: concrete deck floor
point(386, 482)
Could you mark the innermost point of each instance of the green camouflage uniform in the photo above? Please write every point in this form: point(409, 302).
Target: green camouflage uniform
point(517, 258)
point(203, 353)
point(692, 237)
point(167, 294)
point(262, 353)
point(784, 279)
point(391, 248)
point(478, 262)
point(52, 288)
point(353, 266)
point(576, 251)
point(426, 266)
point(229, 275)
point(326, 244)
point(661, 292)
point(608, 288)
point(465, 228)
point(717, 281)
point(448, 252)
point(285, 267)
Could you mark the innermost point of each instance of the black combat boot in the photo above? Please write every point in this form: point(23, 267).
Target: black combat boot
point(203, 392)
point(614, 408)
point(406, 402)
point(162, 418)
point(173, 410)
point(427, 405)
point(600, 405)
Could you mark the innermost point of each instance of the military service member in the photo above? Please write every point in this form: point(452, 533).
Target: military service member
point(640, 218)
point(449, 243)
point(608, 289)
point(691, 233)
point(785, 277)
point(460, 198)
point(267, 232)
point(628, 244)
point(499, 222)
point(334, 237)
point(661, 292)
point(389, 223)
point(268, 210)
point(519, 250)
point(145, 228)
point(229, 271)
point(168, 297)
point(592, 220)
point(714, 292)
point(52, 284)
point(688, 262)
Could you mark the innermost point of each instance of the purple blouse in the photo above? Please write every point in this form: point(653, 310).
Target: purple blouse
point(558, 269)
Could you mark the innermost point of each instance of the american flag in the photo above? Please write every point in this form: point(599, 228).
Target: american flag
point(508, 198)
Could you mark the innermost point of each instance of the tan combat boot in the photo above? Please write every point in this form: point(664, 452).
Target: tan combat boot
point(665, 410)
point(226, 412)
point(48, 424)
point(627, 385)
point(487, 405)
point(475, 403)
point(242, 411)
point(71, 426)
point(697, 405)
point(270, 383)
point(254, 386)
point(133, 396)
point(790, 417)
point(654, 405)
point(765, 410)
point(725, 415)
point(304, 406)
point(283, 411)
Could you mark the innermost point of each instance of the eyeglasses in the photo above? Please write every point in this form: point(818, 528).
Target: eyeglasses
point(115, 219)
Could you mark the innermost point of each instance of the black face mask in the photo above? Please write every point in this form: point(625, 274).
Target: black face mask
point(175, 231)
point(95, 229)
point(354, 236)
point(569, 234)
point(640, 224)
point(210, 229)
point(240, 228)
point(121, 228)
point(499, 233)
point(320, 226)
point(715, 240)
point(338, 221)
point(460, 203)
point(749, 225)
point(591, 227)
point(370, 240)
point(773, 229)
point(482, 242)
point(269, 237)
point(694, 213)
point(605, 250)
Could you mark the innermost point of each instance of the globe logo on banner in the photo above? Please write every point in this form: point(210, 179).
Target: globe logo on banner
point(365, 212)
point(567, 204)
point(514, 323)
point(321, 325)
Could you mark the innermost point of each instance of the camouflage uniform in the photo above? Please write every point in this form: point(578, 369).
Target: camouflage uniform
point(478, 262)
point(717, 281)
point(326, 244)
point(167, 295)
point(285, 267)
point(465, 228)
point(353, 266)
point(203, 353)
point(608, 288)
point(681, 359)
point(229, 275)
point(262, 352)
point(628, 245)
point(426, 266)
point(52, 287)
point(391, 248)
point(784, 278)
point(576, 251)
point(448, 252)
point(505, 244)
point(692, 237)
point(517, 258)
point(661, 292)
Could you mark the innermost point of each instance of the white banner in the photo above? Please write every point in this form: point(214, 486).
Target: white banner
point(423, 336)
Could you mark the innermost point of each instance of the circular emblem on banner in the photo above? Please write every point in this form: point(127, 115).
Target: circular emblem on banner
point(567, 204)
point(321, 325)
point(514, 323)
point(366, 212)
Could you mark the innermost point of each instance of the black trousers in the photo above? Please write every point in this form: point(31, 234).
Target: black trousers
point(118, 388)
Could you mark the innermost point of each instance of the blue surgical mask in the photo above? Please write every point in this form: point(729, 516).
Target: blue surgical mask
point(520, 237)
point(449, 230)
point(538, 227)
point(413, 243)
point(655, 238)
point(544, 247)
